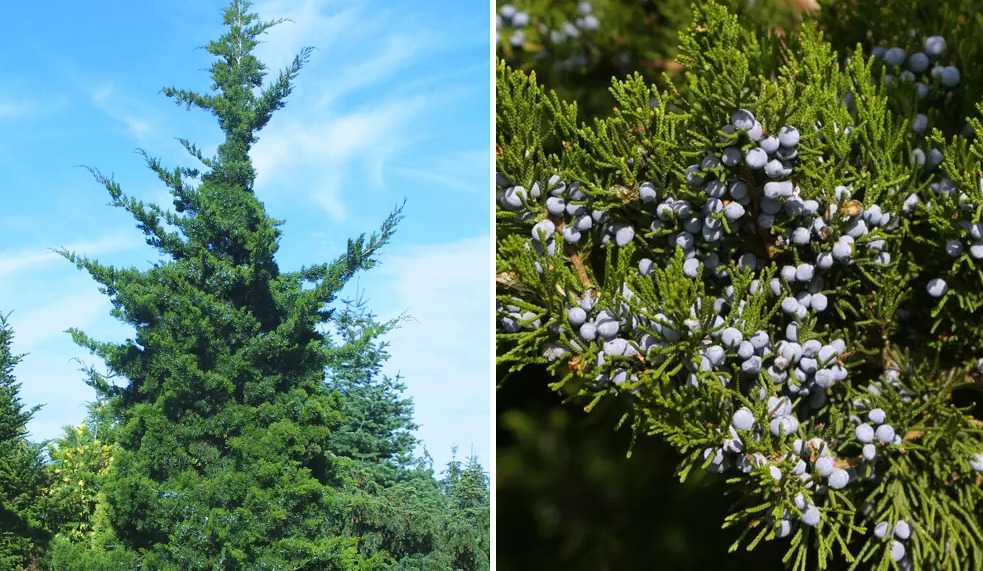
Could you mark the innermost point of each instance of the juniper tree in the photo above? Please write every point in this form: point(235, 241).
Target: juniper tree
point(21, 467)
point(224, 418)
point(776, 262)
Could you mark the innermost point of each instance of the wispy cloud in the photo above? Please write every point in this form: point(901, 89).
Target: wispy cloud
point(78, 309)
point(445, 288)
point(13, 262)
point(390, 55)
point(309, 23)
point(333, 144)
point(126, 110)
point(16, 108)
point(460, 170)
point(367, 94)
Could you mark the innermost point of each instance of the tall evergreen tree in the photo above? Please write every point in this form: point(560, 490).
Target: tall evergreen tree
point(224, 417)
point(378, 427)
point(21, 467)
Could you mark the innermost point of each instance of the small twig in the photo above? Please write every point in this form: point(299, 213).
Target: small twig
point(508, 280)
point(578, 264)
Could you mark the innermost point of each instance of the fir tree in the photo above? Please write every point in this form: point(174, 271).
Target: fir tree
point(466, 491)
point(21, 468)
point(224, 418)
point(396, 504)
point(378, 428)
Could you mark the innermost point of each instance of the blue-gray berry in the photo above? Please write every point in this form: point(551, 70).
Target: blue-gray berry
point(743, 419)
point(937, 287)
point(788, 136)
point(885, 433)
point(934, 46)
point(894, 56)
point(756, 158)
point(838, 479)
point(865, 433)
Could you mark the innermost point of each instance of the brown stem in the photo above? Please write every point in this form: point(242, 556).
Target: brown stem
point(578, 264)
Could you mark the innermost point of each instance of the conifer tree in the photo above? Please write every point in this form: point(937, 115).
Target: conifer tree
point(21, 468)
point(397, 506)
point(76, 511)
point(466, 492)
point(224, 418)
point(775, 261)
point(378, 428)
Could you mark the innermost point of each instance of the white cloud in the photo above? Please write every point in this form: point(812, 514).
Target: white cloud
point(16, 109)
point(397, 52)
point(79, 309)
point(14, 262)
point(19, 100)
point(308, 25)
point(460, 170)
point(366, 137)
point(333, 146)
point(30, 258)
point(121, 108)
point(444, 351)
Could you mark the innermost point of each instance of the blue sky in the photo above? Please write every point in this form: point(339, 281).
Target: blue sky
point(394, 103)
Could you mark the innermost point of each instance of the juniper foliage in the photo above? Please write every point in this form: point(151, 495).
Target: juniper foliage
point(623, 267)
point(576, 46)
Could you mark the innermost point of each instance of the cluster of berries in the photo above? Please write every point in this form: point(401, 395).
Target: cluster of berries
point(517, 25)
point(513, 20)
point(745, 190)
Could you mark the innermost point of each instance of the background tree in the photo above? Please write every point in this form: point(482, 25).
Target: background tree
point(224, 416)
point(466, 490)
point(395, 503)
point(378, 428)
point(76, 510)
point(22, 530)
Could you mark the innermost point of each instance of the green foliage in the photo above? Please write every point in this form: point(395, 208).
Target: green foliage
point(79, 463)
point(466, 530)
point(570, 55)
point(21, 468)
point(378, 428)
point(224, 418)
point(394, 503)
point(906, 351)
point(423, 524)
point(76, 508)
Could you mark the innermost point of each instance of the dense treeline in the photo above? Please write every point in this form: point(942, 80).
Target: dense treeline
point(54, 511)
point(234, 430)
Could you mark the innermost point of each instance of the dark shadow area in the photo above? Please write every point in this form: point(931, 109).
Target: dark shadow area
point(568, 498)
